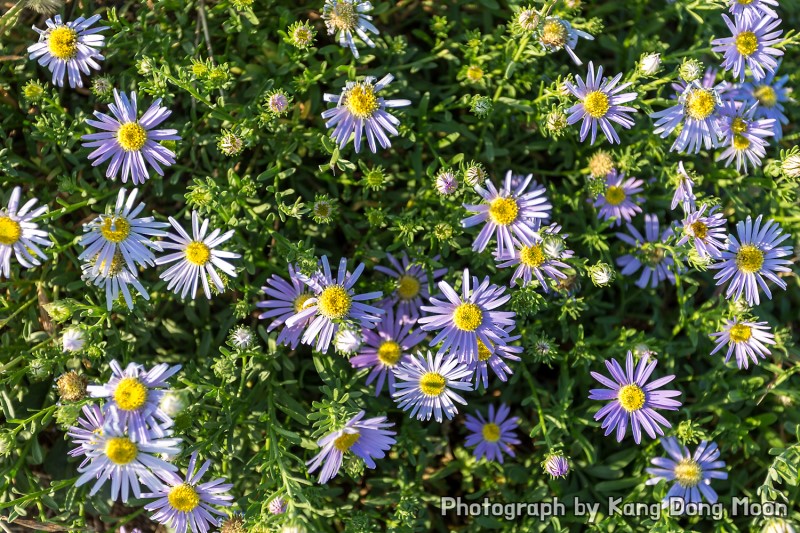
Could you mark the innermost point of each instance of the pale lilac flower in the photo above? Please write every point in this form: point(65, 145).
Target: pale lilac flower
point(494, 435)
point(632, 399)
point(746, 339)
point(600, 104)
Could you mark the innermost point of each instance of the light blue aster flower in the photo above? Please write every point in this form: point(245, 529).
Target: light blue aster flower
point(697, 111)
point(753, 259)
point(493, 435)
point(360, 111)
point(751, 46)
point(368, 439)
point(427, 386)
point(692, 473)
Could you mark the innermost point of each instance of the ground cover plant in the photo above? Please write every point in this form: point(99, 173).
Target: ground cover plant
point(351, 265)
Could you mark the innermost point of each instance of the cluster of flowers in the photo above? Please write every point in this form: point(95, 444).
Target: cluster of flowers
point(124, 441)
point(117, 244)
point(739, 116)
point(470, 332)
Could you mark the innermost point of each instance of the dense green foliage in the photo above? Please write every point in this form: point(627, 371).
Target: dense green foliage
point(256, 413)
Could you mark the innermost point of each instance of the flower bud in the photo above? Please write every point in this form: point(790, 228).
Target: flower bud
point(649, 64)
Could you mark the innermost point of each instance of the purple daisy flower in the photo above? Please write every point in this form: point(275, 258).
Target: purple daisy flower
point(618, 201)
point(751, 45)
point(360, 111)
point(509, 211)
point(493, 436)
point(129, 141)
point(692, 474)
point(463, 321)
point(411, 285)
point(368, 439)
point(770, 95)
point(539, 258)
point(751, 258)
point(600, 101)
point(683, 191)
point(745, 136)
point(287, 298)
point(333, 303)
point(121, 232)
point(69, 48)
point(746, 339)
point(195, 257)
point(426, 385)
point(496, 360)
point(633, 399)
point(753, 9)
point(696, 111)
point(386, 347)
point(707, 233)
point(134, 395)
point(120, 456)
point(655, 265)
point(185, 503)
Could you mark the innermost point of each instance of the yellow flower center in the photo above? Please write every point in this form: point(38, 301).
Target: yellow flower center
point(131, 136)
point(631, 398)
point(361, 101)
point(117, 262)
point(432, 384)
point(601, 164)
point(467, 317)
point(700, 103)
point(744, 2)
point(322, 209)
point(699, 230)
point(483, 352)
point(474, 73)
point(491, 432)
point(389, 353)
point(596, 104)
point(115, 229)
point(10, 231)
point(652, 255)
point(749, 259)
point(130, 394)
point(343, 16)
point(532, 256)
point(740, 332)
point(198, 253)
point(334, 302)
point(63, 42)
point(738, 125)
point(615, 195)
point(740, 142)
point(346, 441)
point(407, 287)
point(766, 95)
point(183, 498)
point(503, 211)
point(554, 33)
point(121, 450)
point(688, 473)
point(746, 43)
point(300, 301)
